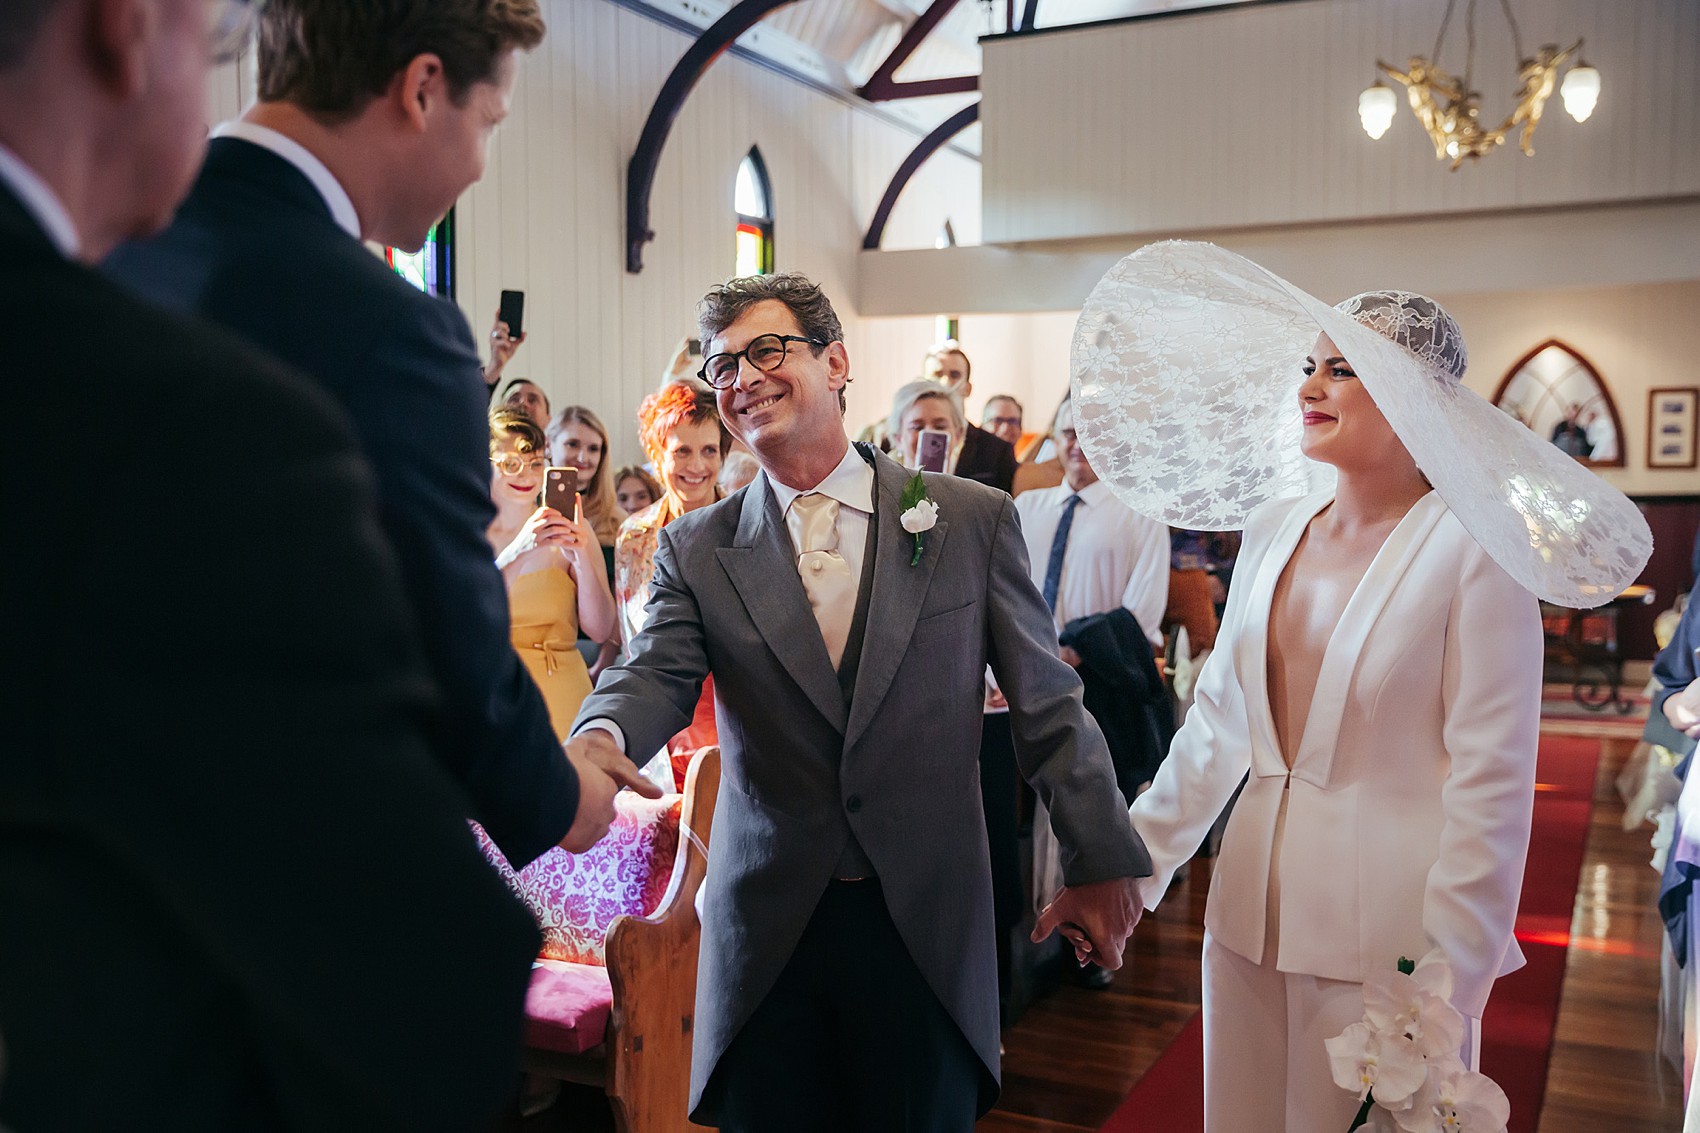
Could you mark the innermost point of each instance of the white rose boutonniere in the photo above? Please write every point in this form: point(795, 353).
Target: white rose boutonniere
point(919, 513)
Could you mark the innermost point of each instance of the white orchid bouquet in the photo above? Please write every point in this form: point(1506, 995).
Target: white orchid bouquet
point(1403, 1059)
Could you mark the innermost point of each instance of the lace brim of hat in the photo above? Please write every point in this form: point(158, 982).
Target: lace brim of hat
point(1186, 366)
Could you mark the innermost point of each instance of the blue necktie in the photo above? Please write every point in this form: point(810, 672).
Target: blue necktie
point(1059, 547)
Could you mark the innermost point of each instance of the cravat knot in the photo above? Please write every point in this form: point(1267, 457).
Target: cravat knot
point(813, 523)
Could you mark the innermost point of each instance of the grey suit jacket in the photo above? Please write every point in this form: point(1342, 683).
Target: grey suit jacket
point(899, 766)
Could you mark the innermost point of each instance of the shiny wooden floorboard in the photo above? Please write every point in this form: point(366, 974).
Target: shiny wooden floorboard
point(1075, 1054)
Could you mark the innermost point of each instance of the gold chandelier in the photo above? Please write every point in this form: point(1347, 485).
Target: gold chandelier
point(1449, 107)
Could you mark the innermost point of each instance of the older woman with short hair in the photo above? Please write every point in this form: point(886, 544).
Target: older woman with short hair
point(921, 406)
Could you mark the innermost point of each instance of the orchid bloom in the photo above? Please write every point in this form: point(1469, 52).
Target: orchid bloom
point(1455, 1100)
point(1412, 1006)
point(1362, 1058)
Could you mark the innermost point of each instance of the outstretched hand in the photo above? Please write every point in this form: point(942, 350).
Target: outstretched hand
point(603, 770)
point(1096, 918)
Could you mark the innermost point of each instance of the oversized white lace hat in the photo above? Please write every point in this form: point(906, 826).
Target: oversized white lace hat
point(1187, 362)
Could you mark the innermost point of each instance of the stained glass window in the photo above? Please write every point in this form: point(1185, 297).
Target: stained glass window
point(431, 268)
point(752, 197)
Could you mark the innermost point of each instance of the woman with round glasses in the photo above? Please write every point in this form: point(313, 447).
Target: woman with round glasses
point(1375, 690)
point(552, 565)
point(683, 436)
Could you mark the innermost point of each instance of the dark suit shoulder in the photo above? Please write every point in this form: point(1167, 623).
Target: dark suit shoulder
point(162, 377)
point(250, 255)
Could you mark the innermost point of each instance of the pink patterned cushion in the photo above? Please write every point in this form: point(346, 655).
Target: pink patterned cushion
point(575, 897)
point(567, 1006)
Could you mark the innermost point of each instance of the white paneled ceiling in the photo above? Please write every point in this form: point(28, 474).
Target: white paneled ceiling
point(841, 43)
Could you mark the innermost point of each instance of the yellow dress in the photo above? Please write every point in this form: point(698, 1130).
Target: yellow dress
point(543, 608)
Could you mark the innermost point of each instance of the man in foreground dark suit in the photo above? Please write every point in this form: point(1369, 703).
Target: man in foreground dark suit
point(372, 120)
point(235, 891)
point(847, 979)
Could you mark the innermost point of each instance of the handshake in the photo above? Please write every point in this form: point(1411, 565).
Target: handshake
point(603, 770)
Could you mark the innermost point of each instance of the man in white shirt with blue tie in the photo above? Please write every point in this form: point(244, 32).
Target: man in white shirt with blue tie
point(1089, 551)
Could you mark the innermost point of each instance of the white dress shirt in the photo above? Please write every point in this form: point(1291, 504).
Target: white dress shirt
point(1116, 557)
point(851, 483)
point(298, 155)
point(41, 202)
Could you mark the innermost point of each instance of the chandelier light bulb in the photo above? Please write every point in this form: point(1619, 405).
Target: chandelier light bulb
point(1581, 91)
point(1376, 107)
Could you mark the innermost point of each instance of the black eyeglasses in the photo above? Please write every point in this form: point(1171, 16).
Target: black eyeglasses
point(765, 352)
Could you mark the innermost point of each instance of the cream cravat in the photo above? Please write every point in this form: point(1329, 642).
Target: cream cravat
point(812, 520)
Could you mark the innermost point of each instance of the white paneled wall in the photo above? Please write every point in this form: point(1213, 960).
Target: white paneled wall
point(1248, 116)
point(549, 216)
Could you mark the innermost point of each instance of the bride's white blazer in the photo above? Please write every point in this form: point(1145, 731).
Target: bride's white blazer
point(1410, 795)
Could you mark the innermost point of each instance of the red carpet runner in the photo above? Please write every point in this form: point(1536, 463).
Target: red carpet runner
point(1518, 1029)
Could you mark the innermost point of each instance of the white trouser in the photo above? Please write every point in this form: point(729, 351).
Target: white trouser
point(1265, 1068)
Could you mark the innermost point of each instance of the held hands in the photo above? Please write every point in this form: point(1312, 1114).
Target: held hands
point(603, 770)
point(1096, 918)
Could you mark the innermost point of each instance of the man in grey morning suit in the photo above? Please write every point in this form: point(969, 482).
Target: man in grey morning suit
point(848, 975)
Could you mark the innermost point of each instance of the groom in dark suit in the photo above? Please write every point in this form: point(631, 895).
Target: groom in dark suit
point(848, 976)
point(372, 120)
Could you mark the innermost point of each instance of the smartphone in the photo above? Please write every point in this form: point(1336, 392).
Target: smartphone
point(560, 490)
point(693, 347)
point(512, 312)
point(932, 450)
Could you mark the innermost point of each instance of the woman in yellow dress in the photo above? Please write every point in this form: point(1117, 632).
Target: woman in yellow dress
point(552, 564)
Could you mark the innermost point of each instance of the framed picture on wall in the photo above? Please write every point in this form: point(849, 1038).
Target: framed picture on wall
point(1673, 419)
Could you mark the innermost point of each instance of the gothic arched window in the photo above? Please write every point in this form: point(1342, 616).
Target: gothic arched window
point(752, 197)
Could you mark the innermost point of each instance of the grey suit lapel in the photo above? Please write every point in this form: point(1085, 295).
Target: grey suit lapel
point(763, 569)
point(899, 590)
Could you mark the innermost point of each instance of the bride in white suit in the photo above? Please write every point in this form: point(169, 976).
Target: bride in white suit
point(1376, 683)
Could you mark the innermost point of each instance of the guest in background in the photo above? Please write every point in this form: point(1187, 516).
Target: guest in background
point(578, 439)
point(984, 458)
point(635, 489)
point(552, 566)
point(202, 852)
point(739, 469)
point(920, 407)
point(683, 436)
point(503, 346)
point(1673, 723)
point(523, 395)
point(1002, 418)
point(362, 133)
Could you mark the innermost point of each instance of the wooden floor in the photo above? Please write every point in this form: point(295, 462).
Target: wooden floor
point(1072, 1058)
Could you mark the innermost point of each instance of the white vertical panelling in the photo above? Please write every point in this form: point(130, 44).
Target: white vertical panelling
point(1247, 116)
